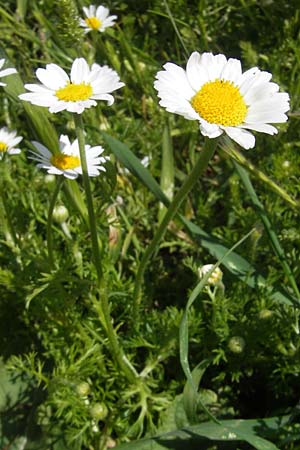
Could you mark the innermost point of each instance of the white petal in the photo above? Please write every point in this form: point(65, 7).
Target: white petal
point(102, 12)
point(261, 127)
point(242, 137)
point(38, 88)
point(109, 98)
point(37, 99)
point(79, 107)
point(42, 149)
point(15, 141)
point(232, 71)
point(14, 151)
point(253, 82)
point(53, 77)
point(5, 72)
point(266, 117)
point(210, 129)
point(196, 73)
point(104, 80)
point(58, 106)
point(2, 60)
point(278, 102)
point(80, 71)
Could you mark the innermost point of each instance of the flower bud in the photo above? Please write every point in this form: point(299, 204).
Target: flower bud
point(99, 411)
point(236, 344)
point(49, 179)
point(60, 214)
point(265, 314)
point(83, 389)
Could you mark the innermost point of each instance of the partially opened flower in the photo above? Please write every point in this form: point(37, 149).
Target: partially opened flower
point(67, 161)
point(96, 18)
point(214, 91)
point(216, 276)
point(5, 72)
point(86, 85)
point(8, 142)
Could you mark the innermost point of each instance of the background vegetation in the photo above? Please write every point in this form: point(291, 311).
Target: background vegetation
point(60, 388)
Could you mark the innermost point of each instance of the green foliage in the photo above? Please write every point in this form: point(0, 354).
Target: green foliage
point(60, 386)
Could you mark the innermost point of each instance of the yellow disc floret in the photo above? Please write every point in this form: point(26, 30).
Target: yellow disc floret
point(220, 102)
point(93, 22)
point(65, 162)
point(3, 147)
point(74, 92)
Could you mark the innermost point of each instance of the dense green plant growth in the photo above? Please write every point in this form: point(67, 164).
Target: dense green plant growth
point(62, 385)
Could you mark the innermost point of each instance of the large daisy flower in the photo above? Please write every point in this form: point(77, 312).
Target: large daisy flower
point(96, 18)
point(214, 91)
point(67, 161)
point(86, 85)
point(5, 72)
point(8, 142)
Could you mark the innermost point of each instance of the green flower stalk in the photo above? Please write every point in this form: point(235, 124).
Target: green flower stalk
point(103, 307)
point(200, 166)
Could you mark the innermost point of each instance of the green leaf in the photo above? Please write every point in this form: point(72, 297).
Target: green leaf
point(228, 430)
point(235, 263)
point(189, 398)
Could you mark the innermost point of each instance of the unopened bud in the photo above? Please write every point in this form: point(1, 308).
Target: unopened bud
point(265, 314)
point(83, 389)
point(236, 344)
point(99, 411)
point(49, 179)
point(60, 214)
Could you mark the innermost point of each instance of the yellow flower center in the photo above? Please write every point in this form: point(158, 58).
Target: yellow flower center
point(220, 102)
point(3, 147)
point(65, 162)
point(74, 92)
point(93, 22)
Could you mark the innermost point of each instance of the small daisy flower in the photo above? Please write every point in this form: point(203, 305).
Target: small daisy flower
point(8, 141)
point(58, 92)
point(214, 91)
point(67, 161)
point(96, 18)
point(216, 276)
point(5, 72)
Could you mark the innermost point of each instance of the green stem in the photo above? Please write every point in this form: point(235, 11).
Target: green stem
point(89, 197)
point(278, 250)
point(103, 307)
point(50, 220)
point(190, 181)
point(11, 229)
point(10, 226)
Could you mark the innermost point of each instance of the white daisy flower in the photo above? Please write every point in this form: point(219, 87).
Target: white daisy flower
point(8, 141)
point(5, 72)
point(58, 92)
point(96, 18)
point(67, 161)
point(214, 91)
